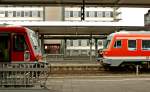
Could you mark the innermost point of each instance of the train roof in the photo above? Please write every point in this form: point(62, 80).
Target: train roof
point(130, 32)
point(127, 33)
point(11, 28)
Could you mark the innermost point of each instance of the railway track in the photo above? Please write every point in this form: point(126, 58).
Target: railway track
point(75, 68)
point(92, 69)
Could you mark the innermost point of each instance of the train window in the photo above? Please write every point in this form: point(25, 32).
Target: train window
point(131, 44)
point(145, 44)
point(106, 44)
point(117, 44)
point(19, 43)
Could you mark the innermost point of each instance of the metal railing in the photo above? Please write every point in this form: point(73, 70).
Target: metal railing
point(23, 74)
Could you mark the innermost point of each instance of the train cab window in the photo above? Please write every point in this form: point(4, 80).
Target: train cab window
point(145, 44)
point(117, 44)
point(131, 44)
point(106, 44)
point(19, 43)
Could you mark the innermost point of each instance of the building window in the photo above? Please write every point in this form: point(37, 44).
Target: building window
point(131, 44)
point(30, 13)
point(93, 42)
point(80, 42)
point(71, 13)
point(91, 14)
point(75, 43)
point(14, 13)
point(18, 14)
point(84, 42)
point(75, 14)
point(145, 44)
point(34, 14)
point(117, 44)
point(67, 14)
point(27, 13)
point(111, 14)
point(71, 42)
point(79, 14)
point(87, 14)
point(107, 14)
point(68, 42)
point(88, 42)
point(2, 13)
point(39, 14)
point(95, 14)
point(6, 13)
point(22, 13)
point(99, 14)
point(10, 13)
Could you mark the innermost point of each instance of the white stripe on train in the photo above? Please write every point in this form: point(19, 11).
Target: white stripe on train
point(127, 57)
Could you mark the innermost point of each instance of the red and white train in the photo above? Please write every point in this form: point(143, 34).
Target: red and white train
point(127, 48)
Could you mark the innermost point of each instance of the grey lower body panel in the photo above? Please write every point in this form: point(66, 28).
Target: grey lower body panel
point(117, 62)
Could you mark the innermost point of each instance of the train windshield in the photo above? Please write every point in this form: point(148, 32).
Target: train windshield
point(106, 44)
point(34, 41)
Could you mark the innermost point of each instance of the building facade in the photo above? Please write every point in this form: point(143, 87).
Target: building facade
point(21, 14)
point(104, 14)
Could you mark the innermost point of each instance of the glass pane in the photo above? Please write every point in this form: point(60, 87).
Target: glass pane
point(19, 43)
point(67, 14)
point(145, 44)
point(75, 14)
point(99, 14)
point(132, 44)
point(91, 14)
point(117, 44)
point(107, 14)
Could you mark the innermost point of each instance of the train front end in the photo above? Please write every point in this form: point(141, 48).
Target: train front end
point(106, 52)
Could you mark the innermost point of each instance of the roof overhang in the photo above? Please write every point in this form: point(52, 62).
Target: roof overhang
point(78, 28)
point(113, 3)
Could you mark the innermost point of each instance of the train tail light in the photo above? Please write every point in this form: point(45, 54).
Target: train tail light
point(26, 56)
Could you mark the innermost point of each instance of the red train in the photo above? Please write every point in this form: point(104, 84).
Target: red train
point(18, 44)
point(127, 49)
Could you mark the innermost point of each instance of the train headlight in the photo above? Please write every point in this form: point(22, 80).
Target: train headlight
point(39, 58)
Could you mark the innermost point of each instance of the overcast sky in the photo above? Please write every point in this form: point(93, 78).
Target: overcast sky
point(133, 16)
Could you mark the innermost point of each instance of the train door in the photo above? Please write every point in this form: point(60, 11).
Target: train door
point(5, 47)
point(19, 47)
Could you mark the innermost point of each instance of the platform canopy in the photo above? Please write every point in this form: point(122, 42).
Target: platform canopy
point(124, 3)
point(77, 28)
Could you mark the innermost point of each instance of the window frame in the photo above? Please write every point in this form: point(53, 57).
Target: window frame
point(16, 47)
point(18, 13)
point(131, 49)
point(142, 45)
point(117, 46)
